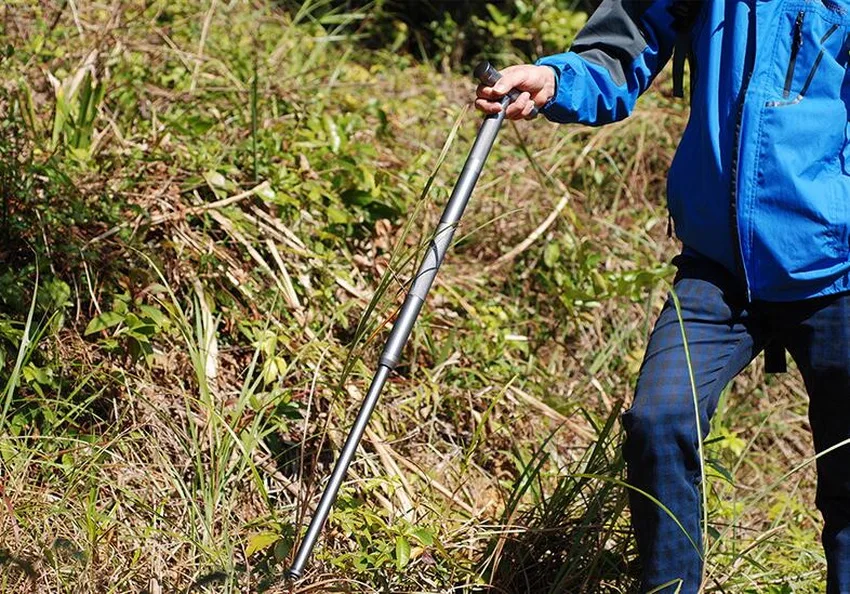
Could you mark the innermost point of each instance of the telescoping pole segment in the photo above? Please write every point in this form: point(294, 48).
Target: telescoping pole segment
point(403, 325)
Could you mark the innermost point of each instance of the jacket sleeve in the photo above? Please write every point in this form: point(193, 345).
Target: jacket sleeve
point(613, 59)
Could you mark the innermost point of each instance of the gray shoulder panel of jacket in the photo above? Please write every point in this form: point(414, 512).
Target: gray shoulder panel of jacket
point(612, 37)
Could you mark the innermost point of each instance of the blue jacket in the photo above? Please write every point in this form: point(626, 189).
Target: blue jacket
point(761, 179)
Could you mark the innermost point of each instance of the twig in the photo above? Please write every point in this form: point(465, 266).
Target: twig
point(301, 503)
point(172, 216)
point(296, 242)
point(438, 486)
point(540, 230)
point(159, 219)
point(551, 413)
point(273, 228)
point(89, 284)
point(230, 200)
point(228, 227)
point(354, 291)
point(289, 290)
point(387, 456)
point(265, 463)
point(76, 16)
point(200, 57)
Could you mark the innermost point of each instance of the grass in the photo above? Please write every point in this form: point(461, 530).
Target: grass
point(191, 243)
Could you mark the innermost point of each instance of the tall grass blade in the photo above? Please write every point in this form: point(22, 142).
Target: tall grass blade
point(700, 444)
point(254, 100)
point(23, 352)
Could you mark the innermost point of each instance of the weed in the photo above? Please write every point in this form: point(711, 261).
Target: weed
point(207, 223)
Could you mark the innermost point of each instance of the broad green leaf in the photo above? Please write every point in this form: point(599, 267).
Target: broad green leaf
point(154, 314)
point(338, 216)
point(551, 254)
point(282, 549)
point(103, 321)
point(260, 542)
point(266, 193)
point(402, 552)
point(424, 536)
point(36, 374)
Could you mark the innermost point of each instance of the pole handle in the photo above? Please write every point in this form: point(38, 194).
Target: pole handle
point(489, 76)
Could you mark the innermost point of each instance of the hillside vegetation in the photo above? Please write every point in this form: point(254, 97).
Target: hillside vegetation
point(209, 214)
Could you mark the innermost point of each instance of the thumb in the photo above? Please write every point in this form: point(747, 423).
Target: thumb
point(505, 84)
point(501, 87)
point(513, 77)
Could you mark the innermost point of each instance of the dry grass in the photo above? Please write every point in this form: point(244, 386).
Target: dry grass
point(191, 468)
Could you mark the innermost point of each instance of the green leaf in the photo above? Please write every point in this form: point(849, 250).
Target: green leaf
point(337, 216)
point(402, 552)
point(154, 314)
point(551, 254)
point(103, 321)
point(424, 536)
point(356, 196)
point(266, 193)
point(215, 179)
point(282, 549)
point(68, 461)
point(36, 374)
point(260, 542)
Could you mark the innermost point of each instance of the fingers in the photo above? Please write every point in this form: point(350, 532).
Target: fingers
point(488, 107)
point(485, 92)
point(520, 108)
point(528, 112)
point(536, 84)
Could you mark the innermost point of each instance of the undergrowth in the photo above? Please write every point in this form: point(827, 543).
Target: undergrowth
point(198, 202)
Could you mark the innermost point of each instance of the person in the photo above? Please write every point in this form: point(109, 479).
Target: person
point(759, 193)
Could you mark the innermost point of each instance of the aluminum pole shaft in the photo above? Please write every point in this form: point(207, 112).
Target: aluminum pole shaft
point(332, 488)
point(403, 325)
point(439, 244)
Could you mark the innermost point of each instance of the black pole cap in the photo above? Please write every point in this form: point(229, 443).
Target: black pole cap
point(486, 73)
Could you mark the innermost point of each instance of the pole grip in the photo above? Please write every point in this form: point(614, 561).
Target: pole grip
point(487, 74)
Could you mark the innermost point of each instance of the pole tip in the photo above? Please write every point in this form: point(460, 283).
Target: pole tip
point(293, 574)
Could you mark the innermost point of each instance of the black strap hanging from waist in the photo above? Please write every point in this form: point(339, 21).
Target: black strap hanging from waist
point(684, 13)
point(680, 54)
point(774, 357)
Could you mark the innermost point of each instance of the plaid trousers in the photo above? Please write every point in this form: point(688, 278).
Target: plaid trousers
point(724, 333)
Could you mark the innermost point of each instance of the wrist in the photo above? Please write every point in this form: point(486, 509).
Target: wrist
point(551, 80)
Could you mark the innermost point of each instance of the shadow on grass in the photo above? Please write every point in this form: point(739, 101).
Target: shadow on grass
point(17, 568)
point(573, 539)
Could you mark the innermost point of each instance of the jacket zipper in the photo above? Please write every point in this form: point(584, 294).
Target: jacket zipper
point(796, 44)
point(733, 203)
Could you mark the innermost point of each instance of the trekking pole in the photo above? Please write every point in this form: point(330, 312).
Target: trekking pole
point(410, 310)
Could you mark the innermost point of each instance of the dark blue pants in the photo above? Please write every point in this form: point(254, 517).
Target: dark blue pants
point(724, 333)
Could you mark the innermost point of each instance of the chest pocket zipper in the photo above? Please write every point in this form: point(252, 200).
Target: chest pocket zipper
point(796, 44)
point(795, 50)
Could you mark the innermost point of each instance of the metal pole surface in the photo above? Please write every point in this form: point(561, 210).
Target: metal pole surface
point(403, 325)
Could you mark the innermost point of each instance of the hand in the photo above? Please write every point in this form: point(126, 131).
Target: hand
point(535, 83)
